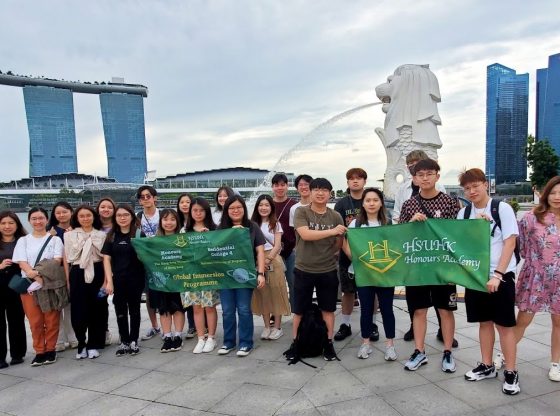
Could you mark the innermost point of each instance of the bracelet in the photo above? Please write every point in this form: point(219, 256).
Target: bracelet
point(499, 278)
point(499, 272)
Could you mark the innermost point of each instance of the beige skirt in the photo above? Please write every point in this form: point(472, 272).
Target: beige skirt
point(274, 295)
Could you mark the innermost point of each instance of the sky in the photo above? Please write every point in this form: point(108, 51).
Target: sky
point(240, 83)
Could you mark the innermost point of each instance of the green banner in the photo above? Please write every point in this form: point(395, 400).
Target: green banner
point(211, 260)
point(433, 252)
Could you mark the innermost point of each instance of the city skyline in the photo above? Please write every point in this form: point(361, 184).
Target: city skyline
point(237, 85)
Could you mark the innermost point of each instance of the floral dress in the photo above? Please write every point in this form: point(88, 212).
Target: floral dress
point(538, 285)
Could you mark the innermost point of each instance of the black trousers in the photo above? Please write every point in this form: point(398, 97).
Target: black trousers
point(88, 310)
point(12, 321)
point(126, 298)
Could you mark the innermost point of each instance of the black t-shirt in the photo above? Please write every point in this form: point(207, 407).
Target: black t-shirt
point(6, 252)
point(124, 260)
point(349, 209)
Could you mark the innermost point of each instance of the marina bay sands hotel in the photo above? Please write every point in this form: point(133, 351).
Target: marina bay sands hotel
point(49, 108)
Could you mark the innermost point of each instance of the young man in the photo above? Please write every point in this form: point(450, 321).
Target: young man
point(319, 233)
point(430, 203)
point(407, 190)
point(497, 307)
point(349, 208)
point(282, 206)
point(302, 186)
point(149, 220)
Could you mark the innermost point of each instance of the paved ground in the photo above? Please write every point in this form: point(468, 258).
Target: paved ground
point(182, 383)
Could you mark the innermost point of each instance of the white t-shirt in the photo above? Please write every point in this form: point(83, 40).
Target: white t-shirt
point(353, 225)
point(269, 236)
point(509, 228)
point(28, 247)
point(149, 225)
point(293, 212)
point(216, 216)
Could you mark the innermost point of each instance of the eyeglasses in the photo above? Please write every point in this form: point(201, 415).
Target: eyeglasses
point(472, 186)
point(146, 197)
point(235, 209)
point(425, 175)
point(125, 215)
point(323, 190)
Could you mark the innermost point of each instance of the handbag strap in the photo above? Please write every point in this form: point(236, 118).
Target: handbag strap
point(43, 249)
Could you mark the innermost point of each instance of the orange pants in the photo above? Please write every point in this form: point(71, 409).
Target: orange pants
point(44, 325)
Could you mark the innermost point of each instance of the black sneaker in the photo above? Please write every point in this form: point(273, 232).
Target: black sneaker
point(455, 343)
point(511, 383)
point(49, 357)
point(343, 332)
point(38, 360)
point(122, 349)
point(133, 349)
point(290, 353)
point(3, 364)
point(409, 335)
point(374, 334)
point(329, 354)
point(481, 372)
point(167, 345)
point(177, 343)
point(16, 361)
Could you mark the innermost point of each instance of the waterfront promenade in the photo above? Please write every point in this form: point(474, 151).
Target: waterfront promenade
point(182, 383)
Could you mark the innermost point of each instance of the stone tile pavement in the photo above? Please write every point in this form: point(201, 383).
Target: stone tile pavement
point(182, 383)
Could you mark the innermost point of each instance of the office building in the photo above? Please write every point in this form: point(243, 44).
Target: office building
point(507, 102)
point(548, 103)
point(52, 135)
point(125, 139)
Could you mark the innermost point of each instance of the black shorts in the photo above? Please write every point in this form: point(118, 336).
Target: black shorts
point(498, 307)
point(347, 281)
point(439, 296)
point(325, 285)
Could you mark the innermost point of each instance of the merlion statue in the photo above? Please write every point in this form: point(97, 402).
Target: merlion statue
point(410, 98)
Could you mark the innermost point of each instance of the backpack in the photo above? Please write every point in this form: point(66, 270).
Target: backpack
point(495, 212)
point(311, 336)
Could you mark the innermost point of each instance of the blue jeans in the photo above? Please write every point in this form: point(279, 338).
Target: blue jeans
point(290, 262)
point(237, 300)
point(385, 296)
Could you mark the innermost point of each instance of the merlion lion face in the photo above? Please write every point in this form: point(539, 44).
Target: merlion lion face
point(383, 92)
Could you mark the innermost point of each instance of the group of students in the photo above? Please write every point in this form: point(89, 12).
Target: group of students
point(299, 249)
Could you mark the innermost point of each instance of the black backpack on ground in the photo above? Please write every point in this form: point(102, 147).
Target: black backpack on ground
point(311, 336)
point(495, 212)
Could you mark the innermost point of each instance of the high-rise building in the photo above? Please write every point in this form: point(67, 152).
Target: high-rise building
point(507, 103)
point(52, 135)
point(548, 102)
point(125, 139)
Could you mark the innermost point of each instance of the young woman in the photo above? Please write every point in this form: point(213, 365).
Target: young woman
point(183, 209)
point(222, 194)
point(373, 214)
point(106, 209)
point(124, 277)
point(239, 300)
point(538, 284)
point(59, 223)
point(12, 317)
point(29, 251)
point(203, 302)
point(169, 305)
point(86, 277)
point(271, 300)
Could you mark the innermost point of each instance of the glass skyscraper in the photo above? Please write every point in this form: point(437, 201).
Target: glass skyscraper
point(52, 135)
point(507, 103)
point(548, 102)
point(125, 139)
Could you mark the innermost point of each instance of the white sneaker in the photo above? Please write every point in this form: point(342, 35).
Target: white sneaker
point(82, 354)
point(499, 360)
point(554, 373)
point(265, 334)
point(92, 354)
point(199, 347)
point(209, 345)
point(60, 347)
point(364, 351)
point(390, 353)
point(276, 333)
point(73, 344)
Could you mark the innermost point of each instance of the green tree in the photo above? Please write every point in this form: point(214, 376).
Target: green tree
point(543, 161)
